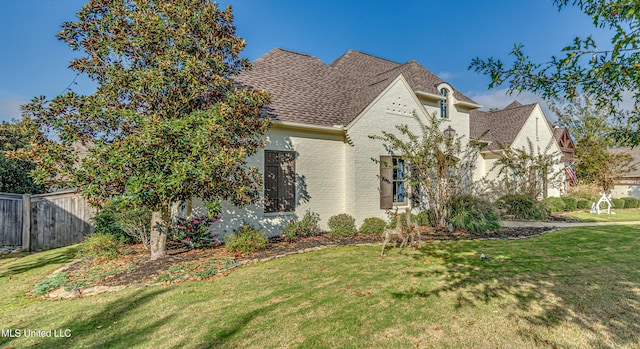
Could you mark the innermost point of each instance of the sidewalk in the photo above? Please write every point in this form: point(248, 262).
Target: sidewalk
point(541, 224)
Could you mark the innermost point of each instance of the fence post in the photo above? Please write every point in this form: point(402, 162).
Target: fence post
point(26, 223)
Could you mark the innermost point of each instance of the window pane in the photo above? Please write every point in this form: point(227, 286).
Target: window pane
point(399, 172)
point(401, 195)
point(400, 169)
point(443, 103)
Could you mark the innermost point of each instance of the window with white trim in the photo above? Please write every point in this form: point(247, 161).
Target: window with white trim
point(393, 181)
point(444, 103)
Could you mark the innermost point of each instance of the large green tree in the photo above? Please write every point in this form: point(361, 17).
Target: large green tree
point(604, 73)
point(167, 122)
point(15, 174)
point(591, 129)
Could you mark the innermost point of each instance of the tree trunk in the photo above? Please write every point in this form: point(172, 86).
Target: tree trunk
point(159, 229)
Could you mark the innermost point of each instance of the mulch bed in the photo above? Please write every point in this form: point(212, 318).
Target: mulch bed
point(135, 267)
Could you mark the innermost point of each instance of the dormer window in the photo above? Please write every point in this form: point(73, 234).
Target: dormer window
point(444, 103)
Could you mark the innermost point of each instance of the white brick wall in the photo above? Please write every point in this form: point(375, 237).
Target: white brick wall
point(320, 173)
point(393, 107)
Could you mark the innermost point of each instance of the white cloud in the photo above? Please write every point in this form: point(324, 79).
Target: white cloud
point(500, 98)
point(10, 107)
point(445, 75)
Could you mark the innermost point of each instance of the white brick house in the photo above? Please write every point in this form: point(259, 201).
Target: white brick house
point(318, 154)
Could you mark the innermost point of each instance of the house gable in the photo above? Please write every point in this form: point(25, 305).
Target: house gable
point(405, 105)
point(536, 129)
point(395, 105)
point(565, 143)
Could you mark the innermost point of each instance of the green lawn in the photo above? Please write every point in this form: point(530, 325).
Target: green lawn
point(574, 288)
point(628, 215)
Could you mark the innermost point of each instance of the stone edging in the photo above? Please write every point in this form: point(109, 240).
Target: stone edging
point(10, 249)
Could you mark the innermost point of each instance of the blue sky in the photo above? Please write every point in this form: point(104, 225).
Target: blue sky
point(443, 36)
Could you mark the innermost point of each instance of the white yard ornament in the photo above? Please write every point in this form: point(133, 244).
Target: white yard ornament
point(596, 207)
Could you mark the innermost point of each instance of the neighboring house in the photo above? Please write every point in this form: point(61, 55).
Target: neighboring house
point(628, 185)
point(318, 155)
point(568, 149)
point(565, 143)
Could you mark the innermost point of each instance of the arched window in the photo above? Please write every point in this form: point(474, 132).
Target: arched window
point(443, 103)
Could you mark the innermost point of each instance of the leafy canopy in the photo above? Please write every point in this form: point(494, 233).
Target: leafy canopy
point(167, 122)
point(602, 73)
point(15, 174)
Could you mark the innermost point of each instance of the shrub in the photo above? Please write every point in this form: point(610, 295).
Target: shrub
point(246, 239)
point(586, 191)
point(307, 226)
point(195, 231)
point(99, 246)
point(583, 203)
point(520, 207)
point(570, 204)
point(127, 223)
point(392, 220)
point(553, 204)
point(51, 282)
point(422, 218)
point(106, 222)
point(474, 215)
point(373, 225)
point(617, 203)
point(631, 202)
point(342, 225)
point(135, 222)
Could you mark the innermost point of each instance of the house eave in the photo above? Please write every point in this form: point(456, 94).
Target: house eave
point(438, 97)
point(430, 96)
point(336, 129)
point(480, 142)
point(493, 151)
point(467, 105)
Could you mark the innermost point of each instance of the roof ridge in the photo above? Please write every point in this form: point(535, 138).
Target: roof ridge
point(374, 56)
point(516, 104)
point(297, 53)
point(400, 66)
point(506, 109)
point(365, 54)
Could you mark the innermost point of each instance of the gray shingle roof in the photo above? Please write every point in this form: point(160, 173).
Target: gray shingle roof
point(499, 127)
point(635, 155)
point(306, 90)
point(302, 88)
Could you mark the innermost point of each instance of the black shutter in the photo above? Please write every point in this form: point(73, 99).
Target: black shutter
point(386, 182)
point(271, 167)
point(288, 182)
point(279, 181)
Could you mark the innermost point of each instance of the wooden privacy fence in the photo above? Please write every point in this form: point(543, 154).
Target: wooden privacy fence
point(44, 221)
